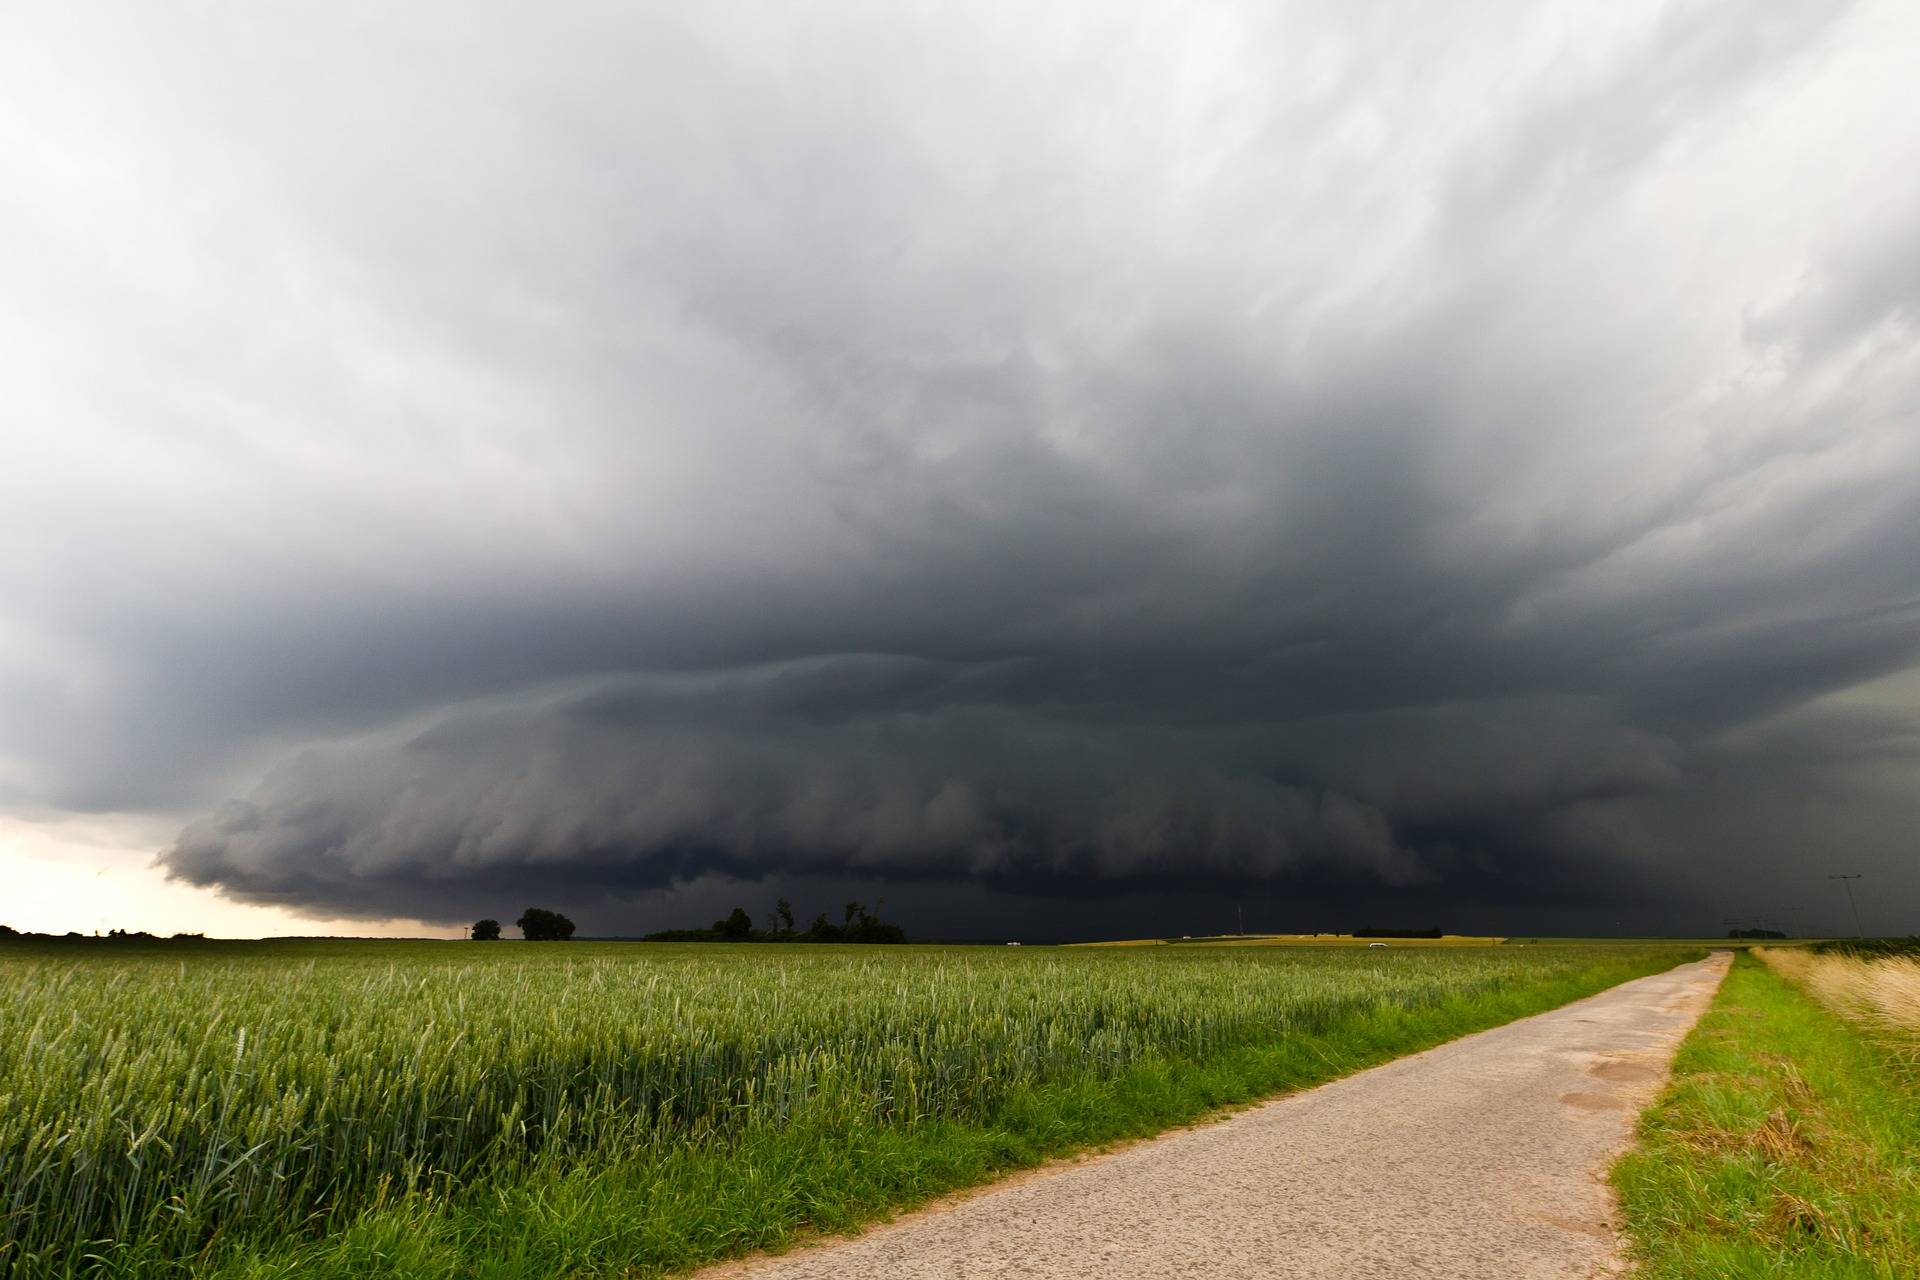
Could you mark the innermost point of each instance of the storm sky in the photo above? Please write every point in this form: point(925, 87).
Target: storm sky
point(1065, 470)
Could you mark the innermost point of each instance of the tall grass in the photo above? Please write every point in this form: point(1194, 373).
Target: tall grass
point(165, 1104)
point(1880, 991)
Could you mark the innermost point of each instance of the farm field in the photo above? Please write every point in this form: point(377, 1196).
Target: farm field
point(1297, 940)
point(469, 1109)
point(1350, 940)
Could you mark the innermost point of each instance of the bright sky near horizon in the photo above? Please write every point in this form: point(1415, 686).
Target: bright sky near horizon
point(91, 874)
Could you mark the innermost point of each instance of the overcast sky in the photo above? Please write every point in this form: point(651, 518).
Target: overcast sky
point(1063, 470)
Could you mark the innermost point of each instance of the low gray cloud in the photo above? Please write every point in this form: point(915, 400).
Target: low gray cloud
point(899, 771)
point(1389, 462)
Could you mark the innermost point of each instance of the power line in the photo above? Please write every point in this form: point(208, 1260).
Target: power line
point(1847, 883)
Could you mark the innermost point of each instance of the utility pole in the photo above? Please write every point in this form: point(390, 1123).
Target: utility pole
point(1847, 883)
point(1242, 913)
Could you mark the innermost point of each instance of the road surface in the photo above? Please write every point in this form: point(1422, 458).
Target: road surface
point(1484, 1158)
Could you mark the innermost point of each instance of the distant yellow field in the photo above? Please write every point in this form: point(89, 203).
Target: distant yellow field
point(1300, 940)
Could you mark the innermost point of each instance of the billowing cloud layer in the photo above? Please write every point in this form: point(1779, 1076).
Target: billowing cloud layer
point(1454, 460)
point(900, 770)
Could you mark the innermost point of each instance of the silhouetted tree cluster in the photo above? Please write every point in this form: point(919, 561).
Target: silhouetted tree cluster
point(1757, 935)
point(536, 924)
point(486, 931)
point(10, 934)
point(857, 924)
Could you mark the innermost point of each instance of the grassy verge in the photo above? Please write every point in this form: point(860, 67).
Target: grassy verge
point(640, 1213)
point(1789, 1145)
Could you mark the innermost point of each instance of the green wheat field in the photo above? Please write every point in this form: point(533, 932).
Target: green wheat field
point(509, 1109)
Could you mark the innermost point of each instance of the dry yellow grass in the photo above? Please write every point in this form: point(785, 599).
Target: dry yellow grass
point(1881, 991)
point(1300, 940)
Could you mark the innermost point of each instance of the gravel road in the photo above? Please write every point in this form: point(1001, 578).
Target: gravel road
point(1485, 1157)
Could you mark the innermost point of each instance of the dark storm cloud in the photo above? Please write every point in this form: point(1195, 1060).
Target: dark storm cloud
point(1121, 454)
point(886, 769)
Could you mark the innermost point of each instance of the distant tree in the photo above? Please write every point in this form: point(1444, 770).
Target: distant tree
point(7, 932)
point(868, 927)
point(1757, 935)
point(862, 926)
point(487, 930)
point(537, 924)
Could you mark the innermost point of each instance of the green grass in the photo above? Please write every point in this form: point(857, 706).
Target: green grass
point(1788, 1145)
point(616, 1109)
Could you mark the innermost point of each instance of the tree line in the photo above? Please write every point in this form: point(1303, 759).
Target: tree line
point(857, 924)
point(10, 934)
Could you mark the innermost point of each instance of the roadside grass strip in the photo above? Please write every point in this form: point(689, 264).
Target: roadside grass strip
point(1788, 1144)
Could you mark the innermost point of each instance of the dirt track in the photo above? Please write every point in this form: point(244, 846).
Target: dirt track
point(1482, 1158)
